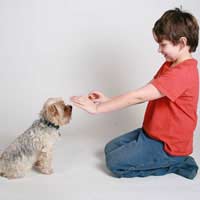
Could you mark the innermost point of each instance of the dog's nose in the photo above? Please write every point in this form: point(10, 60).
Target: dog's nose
point(68, 108)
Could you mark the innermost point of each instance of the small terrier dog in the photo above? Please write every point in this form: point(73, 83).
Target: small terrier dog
point(34, 147)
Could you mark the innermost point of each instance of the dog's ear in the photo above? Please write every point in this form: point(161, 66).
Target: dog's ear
point(52, 110)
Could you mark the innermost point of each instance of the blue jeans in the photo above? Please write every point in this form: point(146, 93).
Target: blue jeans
point(137, 155)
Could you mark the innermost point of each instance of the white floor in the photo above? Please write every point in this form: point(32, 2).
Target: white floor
point(80, 174)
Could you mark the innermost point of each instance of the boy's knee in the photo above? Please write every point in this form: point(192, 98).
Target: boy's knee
point(111, 146)
point(106, 149)
point(112, 164)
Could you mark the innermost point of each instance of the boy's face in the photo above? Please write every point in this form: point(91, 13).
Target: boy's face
point(170, 51)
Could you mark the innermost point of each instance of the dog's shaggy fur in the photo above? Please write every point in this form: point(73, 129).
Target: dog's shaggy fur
point(34, 147)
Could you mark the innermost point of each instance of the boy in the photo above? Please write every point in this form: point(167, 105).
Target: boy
point(164, 142)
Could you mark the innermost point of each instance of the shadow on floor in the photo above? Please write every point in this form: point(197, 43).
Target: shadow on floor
point(102, 165)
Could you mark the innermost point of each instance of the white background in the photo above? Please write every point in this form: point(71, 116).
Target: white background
point(62, 48)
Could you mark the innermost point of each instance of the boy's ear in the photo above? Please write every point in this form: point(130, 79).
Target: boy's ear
point(183, 42)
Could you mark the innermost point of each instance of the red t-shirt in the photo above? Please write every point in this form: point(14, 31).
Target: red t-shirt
point(173, 118)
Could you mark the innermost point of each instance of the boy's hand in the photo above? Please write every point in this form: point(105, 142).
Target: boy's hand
point(97, 97)
point(84, 103)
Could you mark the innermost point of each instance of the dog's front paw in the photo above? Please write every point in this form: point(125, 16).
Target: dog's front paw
point(47, 171)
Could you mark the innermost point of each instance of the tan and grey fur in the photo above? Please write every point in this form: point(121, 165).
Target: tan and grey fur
point(34, 147)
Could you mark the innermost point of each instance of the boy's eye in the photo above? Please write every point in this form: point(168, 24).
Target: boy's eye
point(162, 45)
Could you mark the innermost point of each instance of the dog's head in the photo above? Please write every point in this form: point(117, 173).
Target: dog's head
point(55, 111)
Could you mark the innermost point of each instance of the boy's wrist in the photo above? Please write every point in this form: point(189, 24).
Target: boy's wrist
point(107, 99)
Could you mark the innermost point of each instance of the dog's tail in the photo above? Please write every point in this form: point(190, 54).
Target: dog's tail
point(0, 163)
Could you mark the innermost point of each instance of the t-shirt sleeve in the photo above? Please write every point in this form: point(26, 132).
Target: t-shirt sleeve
point(172, 83)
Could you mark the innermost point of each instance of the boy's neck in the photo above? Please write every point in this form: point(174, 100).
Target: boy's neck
point(183, 57)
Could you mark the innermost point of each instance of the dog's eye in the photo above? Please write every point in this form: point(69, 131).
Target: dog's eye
point(65, 107)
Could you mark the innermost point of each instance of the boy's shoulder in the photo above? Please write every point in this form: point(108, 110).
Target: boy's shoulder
point(189, 62)
point(185, 66)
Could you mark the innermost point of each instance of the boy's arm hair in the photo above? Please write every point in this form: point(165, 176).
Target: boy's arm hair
point(147, 93)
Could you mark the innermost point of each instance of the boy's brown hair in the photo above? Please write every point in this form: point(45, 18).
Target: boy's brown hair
point(174, 24)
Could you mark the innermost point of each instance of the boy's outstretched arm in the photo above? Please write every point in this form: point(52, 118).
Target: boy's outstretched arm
point(146, 93)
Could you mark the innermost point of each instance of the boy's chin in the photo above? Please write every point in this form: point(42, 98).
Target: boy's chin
point(168, 59)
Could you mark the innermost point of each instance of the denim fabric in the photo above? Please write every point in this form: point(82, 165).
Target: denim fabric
point(137, 155)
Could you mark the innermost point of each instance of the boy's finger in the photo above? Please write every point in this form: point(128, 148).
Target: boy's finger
point(73, 98)
point(78, 105)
